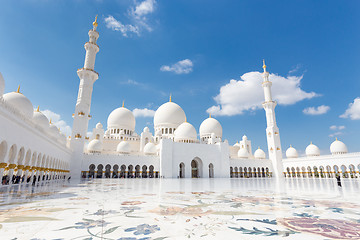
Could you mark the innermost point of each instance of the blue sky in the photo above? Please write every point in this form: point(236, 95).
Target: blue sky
point(192, 49)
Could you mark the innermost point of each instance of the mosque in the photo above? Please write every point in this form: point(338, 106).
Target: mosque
point(33, 149)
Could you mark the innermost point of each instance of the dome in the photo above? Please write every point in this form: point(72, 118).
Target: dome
point(244, 138)
point(185, 131)
point(2, 85)
point(54, 131)
point(237, 144)
point(291, 153)
point(20, 102)
point(123, 147)
point(99, 126)
point(146, 129)
point(150, 148)
point(338, 147)
point(121, 118)
point(243, 153)
point(40, 119)
point(210, 125)
point(312, 150)
point(169, 114)
point(259, 154)
point(95, 146)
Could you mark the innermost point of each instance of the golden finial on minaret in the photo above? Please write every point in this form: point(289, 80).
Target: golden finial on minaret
point(38, 109)
point(209, 115)
point(336, 139)
point(170, 98)
point(18, 90)
point(185, 119)
point(95, 24)
point(123, 103)
point(264, 66)
point(311, 143)
point(50, 121)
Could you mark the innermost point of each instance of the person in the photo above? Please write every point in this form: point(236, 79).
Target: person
point(338, 180)
point(34, 180)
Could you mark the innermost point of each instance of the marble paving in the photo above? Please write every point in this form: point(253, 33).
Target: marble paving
point(134, 209)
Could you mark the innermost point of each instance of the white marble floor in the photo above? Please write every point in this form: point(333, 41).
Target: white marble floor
point(181, 209)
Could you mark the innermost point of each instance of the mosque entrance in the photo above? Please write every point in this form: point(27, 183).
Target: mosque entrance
point(182, 170)
point(196, 168)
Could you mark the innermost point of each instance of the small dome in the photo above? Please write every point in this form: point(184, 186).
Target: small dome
point(338, 147)
point(259, 154)
point(121, 118)
point(209, 126)
point(243, 153)
point(244, 138)
point(95, 146)
point(169, 114)
point(99, 126)
point(20, 102)
point(185, 131)
point(54, 131)
point(146, 129)
point(291, 153)
point(312, 150)
point(41, 120)
point(237, 144)
point(2, 85)
point(150, 148)
point(123, 147)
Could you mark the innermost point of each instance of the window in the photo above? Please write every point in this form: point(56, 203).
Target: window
point(170, 130)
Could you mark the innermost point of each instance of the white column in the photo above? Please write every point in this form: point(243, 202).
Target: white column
point(82, 116)
point(272, 131)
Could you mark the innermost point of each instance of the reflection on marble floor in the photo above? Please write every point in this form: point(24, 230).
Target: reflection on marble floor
point(181, 209)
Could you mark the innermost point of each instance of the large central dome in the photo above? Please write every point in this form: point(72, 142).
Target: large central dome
point(169, 114)
point(121, 118)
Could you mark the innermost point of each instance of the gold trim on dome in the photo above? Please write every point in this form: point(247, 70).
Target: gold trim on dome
point(95, 22)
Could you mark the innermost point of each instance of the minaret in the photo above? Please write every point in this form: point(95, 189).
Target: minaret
point(272, 131)
point(82, 115)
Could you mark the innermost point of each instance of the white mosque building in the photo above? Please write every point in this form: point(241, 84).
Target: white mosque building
point(33, 149)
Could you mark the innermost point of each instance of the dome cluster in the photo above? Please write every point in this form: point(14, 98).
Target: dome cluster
point(23, 105)
point(337, 147)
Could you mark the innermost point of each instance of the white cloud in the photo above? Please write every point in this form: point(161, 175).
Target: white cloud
point(144, 8)
point(143, 112)
point(247, 94)
point(334, 127)
point(56, 119)
point(295, 69)
point(181, 67)
point(353, 111)
point(316, 110)
point(138, 16)
point(335, 134)
point(131, 82)
point(116, 25)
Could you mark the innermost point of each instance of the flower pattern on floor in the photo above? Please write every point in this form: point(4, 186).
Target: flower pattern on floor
point(177, 209)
